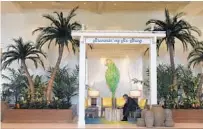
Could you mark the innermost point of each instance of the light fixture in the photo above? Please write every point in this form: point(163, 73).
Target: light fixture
point(30, 2)
point(135, 93)
point(93, 93)
point(114, 4)
point(84, 3)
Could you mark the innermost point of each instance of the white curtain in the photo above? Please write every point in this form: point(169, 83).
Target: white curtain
point(136, 71)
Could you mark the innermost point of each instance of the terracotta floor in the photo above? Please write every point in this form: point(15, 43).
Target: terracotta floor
point(74, 126)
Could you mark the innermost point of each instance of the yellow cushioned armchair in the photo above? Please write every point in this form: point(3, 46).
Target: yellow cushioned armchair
point(142, 103)
point(106, 102)
point(120, 102)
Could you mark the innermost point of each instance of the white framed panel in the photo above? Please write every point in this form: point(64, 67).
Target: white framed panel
point(118, 40)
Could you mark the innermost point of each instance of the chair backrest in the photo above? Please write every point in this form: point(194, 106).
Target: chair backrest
point(106, 102)
point(142, 103)
point(87, 102)
point(120, 102)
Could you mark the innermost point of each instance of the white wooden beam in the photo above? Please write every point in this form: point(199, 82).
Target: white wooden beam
point(82, 79)
point(153, 72)
point(112, 33)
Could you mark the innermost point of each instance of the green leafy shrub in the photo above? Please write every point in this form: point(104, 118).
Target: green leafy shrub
point(181, 95)
point(65, 86)
point(15, 86)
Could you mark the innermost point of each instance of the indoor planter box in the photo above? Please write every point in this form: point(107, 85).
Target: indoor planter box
point(188, 115)
point(4, 107)
point(38, 116)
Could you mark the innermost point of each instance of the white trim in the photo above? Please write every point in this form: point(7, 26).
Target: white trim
point(153, 72)
point(112, 33)
point(82, 79)
point(118, 40)
point(115, 34)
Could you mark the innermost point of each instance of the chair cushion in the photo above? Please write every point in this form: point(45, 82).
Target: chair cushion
point(107, 102)
point(142, 103)
point(87, 102)
point(120, 102)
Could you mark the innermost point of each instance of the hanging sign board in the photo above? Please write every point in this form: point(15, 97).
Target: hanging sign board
point(118, 40)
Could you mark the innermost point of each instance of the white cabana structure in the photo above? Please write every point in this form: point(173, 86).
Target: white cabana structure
point(115, 37)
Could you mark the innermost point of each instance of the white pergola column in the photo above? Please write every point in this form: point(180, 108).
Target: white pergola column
point(153, 72)
point(82, 78)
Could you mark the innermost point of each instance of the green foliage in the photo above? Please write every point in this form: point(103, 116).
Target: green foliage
point(182, 95)
point(65, 85)
point(21, 51)
point(15, 86)
point(164, 80)
point(175, 27)
point(59, 30)
point(40, 87)
point(112, 76)
point(196, 55)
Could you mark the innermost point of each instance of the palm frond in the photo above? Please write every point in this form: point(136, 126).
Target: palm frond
point(59, 31)
point(196, 55)
point(19, 52)
point(175, 28)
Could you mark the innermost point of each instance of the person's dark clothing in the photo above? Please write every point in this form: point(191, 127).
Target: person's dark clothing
point(131, 105)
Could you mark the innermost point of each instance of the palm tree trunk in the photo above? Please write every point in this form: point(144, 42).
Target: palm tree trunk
point(30, 81)
point(51, 81)
point(171, 54)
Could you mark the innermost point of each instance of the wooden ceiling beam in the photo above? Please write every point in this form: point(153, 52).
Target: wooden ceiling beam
point(100, 7)
point(8, 6)
point(192, 8)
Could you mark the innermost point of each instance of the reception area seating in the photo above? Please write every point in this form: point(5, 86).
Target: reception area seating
point(104, 105)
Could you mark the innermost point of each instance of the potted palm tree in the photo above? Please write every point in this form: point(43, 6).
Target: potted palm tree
point(22, 52)
point(58, 33)
point(175, 28)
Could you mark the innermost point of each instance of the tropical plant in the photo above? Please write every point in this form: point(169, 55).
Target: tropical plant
point(164, 81)
point(195, 57)
point(22, 52)
point(181, 95)
point(65, 85)
point(175, 28)
point(59, 31)
point(16, 83)
point(40, 87)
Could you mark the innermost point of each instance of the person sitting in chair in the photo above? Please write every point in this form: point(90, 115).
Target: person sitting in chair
point(130, 105)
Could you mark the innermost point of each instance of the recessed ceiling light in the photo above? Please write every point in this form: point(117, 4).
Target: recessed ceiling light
point(84, 3)
point(114, 4)
point(30, 2)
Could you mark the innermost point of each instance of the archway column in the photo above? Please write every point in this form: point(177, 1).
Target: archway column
point(90, 37)
point(82, 79)
point(153, 72)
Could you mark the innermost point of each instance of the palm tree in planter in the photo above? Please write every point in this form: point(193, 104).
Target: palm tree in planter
point(175, 28)
point(195, 57)
point(23, 51)
point(59, 31)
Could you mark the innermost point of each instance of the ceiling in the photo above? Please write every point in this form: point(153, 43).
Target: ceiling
point(102, 7)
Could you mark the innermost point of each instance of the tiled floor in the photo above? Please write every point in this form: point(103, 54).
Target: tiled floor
point(74, 126)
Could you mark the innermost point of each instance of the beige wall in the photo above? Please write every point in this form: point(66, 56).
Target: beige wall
point(22, 24)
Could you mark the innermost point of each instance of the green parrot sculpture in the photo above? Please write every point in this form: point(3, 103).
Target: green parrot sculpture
point(112, 76)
